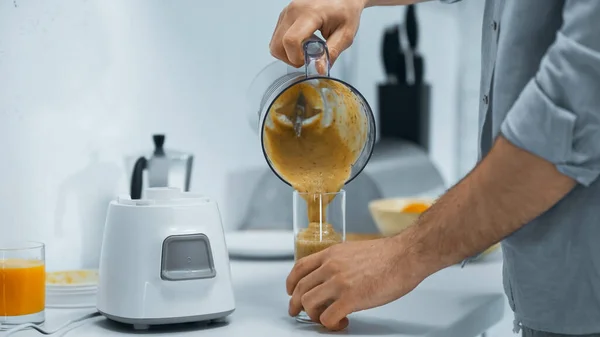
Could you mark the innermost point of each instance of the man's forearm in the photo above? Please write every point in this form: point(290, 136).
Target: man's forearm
point(509, 188)
point(373, 3)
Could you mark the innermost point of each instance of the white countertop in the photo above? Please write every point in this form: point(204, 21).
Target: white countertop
point(452, 303)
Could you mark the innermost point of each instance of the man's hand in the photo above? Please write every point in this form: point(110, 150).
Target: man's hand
point(336, 19)
point(350, 277)
point(509, 188)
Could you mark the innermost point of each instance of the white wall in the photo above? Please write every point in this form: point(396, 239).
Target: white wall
point(83, 83)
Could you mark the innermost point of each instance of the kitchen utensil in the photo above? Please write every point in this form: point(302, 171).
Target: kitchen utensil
point(389, 215)
point(278, 77)
point(261, 244)
point(164, 168)
point(412, 29)
point(419, 70)
point(414, 59)
point(408, 57)
point(314, 232)
point(164, 260)
point(393, 59)
point(299, 112)
point(22, 282)
point(404, 107)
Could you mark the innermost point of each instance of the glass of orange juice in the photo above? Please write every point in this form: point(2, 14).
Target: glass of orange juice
point(22, 282)
point(319, 222)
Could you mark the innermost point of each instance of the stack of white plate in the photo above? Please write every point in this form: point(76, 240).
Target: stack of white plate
point(71, 289)
point(260, 244)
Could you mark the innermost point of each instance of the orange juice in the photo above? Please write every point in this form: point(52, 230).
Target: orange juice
point(22, 287)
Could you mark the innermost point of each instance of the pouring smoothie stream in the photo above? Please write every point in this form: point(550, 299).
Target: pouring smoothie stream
point(318, 159)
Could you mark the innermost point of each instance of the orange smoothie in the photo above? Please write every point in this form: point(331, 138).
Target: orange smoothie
point(318, 162)
point(22, 287)
point(314, 239)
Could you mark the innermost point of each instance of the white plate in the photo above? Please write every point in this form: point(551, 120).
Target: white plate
point(74, 299)
point(260, 244)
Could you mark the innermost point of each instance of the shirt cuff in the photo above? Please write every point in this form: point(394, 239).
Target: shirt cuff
point(539, 126)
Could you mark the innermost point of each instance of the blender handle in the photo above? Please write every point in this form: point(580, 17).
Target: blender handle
point(136, 178)
point(316, 57)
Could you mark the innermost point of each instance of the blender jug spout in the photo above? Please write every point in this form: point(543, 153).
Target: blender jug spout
point(316, 57)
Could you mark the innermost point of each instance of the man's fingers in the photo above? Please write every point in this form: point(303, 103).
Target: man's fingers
point(302, 268)
point(315, 313)
point(279, 19)
point(276, 45)
point(343, 324)
point(316, 301)
point(339, 41)
point(335, 316)
point(304, 286)
point(295, 36)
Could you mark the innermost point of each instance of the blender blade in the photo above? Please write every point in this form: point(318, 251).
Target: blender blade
point(299, 112)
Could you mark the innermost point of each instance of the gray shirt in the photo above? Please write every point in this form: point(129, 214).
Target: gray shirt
point(540, 88)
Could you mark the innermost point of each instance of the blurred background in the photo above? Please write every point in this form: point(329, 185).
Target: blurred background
point(84, 86)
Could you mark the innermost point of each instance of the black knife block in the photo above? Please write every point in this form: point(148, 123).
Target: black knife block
point(404, 112)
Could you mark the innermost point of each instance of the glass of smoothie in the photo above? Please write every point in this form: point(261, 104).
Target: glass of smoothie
point(319, 223)
point(22, 282)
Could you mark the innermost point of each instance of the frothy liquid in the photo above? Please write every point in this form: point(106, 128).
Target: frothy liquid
point(315, 238)
point(320, 159)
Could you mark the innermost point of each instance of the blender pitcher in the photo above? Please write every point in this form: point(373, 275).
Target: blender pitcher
point(276, 80)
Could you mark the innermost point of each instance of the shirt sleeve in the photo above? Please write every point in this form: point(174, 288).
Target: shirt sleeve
point(557, 115)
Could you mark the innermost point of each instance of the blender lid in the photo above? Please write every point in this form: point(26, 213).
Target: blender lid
point(161, 197)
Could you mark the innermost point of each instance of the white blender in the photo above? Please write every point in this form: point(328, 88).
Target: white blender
point(164, 260)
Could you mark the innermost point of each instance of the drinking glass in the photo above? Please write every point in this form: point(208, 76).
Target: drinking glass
point(319, 222)
point(22, 282)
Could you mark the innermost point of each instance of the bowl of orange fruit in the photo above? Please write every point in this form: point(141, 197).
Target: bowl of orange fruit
point(393, 215)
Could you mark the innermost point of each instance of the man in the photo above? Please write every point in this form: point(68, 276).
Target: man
point(536, 187)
